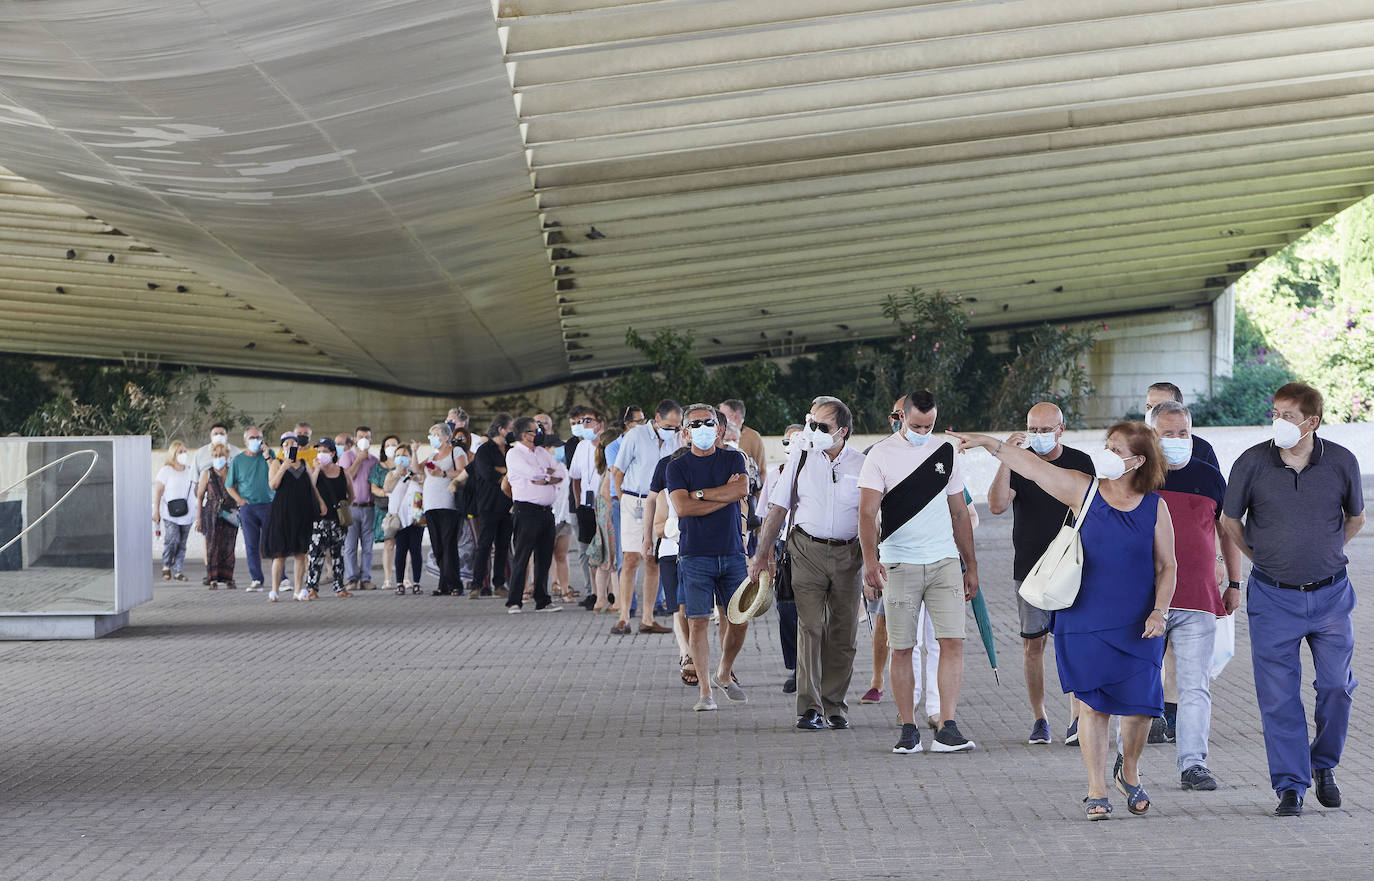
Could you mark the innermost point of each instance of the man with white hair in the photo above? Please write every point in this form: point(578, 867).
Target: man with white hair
point(1036, 518)
point(1195, 493)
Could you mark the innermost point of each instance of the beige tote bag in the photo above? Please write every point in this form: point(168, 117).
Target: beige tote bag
point(1054, 581)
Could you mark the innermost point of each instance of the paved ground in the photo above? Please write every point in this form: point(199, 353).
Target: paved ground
point(383, 737)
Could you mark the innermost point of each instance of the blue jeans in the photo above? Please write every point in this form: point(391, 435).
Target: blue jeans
point(706, 582)
point(1279, 622)
point(253, 520)
point(1192, 634)
point(358, 545)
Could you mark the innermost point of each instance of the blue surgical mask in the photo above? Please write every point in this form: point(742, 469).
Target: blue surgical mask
point(703, 437)
point(254, 444)
point(916, 437)
point(1178, 450)
point(668, 434)
point(435, 441)
point(402, 461)
point(219, 462)
point(559, 455)
point(1042, 443)
point(896, 427)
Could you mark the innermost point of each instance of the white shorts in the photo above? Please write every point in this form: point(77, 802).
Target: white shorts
point(631, 524)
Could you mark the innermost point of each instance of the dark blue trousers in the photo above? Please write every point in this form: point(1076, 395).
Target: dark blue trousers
point(1280, 620)
point(252, 521)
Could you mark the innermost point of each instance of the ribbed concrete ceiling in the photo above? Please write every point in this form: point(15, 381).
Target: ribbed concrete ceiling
point(761, 172)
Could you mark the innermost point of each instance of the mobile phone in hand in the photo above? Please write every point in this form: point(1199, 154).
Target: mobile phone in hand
point(291, 454)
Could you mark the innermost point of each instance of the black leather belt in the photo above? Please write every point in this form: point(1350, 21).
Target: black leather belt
point(531, 506)
point(1263, 576)
point(630, 492)
point(364, 504)
point(833, 542)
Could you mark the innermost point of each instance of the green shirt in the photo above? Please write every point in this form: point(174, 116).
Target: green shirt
point(248, 477)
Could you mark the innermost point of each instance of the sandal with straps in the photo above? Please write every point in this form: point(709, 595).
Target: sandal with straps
point(689, 671)
point(1090, 806)
point(1135, 795)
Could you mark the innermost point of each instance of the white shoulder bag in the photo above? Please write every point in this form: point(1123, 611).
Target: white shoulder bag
point(1053, 582)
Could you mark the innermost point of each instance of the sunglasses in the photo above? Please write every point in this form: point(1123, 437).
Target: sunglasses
point(585, 420)
point(702, 423)
point(826, 427)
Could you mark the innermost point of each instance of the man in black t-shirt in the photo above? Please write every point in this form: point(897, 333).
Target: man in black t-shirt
point(1037, 518)
point(492, 507)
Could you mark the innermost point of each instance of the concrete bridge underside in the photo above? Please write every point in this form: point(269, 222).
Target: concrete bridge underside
point(451, 196)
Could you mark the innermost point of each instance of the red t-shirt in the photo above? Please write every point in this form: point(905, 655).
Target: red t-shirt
point(1194, 494)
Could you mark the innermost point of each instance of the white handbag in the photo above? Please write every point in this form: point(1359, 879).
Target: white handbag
point(1053, 582)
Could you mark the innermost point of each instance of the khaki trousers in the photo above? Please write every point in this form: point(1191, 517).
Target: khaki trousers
point(825, 579)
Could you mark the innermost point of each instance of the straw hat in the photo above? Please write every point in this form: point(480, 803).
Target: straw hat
point(751, 599)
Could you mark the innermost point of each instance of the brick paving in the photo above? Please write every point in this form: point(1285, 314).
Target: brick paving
point(425, 737)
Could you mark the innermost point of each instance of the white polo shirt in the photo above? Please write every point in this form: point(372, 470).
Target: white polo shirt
point(827, 493)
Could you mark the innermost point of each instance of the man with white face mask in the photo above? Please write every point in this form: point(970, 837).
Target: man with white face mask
point(357, 464)
point(819, 486)
point(918, 487)
point(1194, 492)
point(200, 462)
point(1036, 518)
point(1302, 500)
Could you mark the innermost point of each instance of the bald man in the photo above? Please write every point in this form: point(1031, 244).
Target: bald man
point(1037, 518)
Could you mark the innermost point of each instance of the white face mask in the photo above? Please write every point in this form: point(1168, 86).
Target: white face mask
point(1108, 465)
point(1177, 450)
point(1041, 443)
point(390, 450)
point(917, 437)
point(324, 458)
point(219, 439)
point(1287, 435)
point(183, 458)
point(362, 444)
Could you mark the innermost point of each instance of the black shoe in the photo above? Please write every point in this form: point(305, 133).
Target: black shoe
point(1199, 778)
point(839, 723)
point(1328, 793)
point(910, 741)
point(1158, 731)
point(1170, 729)
point(1116, 769)
point(588, 602)
point(949, 740)
point(789, 685)
point(610, 598)
point(810, 721)
point(438, 593)
point(1290, 804)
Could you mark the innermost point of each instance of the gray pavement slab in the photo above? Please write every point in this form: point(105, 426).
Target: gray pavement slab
point(223, 737)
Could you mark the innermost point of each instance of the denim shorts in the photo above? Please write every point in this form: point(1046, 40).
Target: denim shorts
point(667, 579)
point(706, 582)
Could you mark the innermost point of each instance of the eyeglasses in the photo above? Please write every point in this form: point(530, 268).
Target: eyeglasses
point(702, 423)
point(585, 420)
point(1288, 416)
point(823, 426)
point(1042, 430)
point(894, 416)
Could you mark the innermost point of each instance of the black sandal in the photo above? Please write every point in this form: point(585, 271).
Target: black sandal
point(689, 671)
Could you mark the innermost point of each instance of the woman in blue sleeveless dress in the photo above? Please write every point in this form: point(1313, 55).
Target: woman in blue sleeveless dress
point(1108, 645)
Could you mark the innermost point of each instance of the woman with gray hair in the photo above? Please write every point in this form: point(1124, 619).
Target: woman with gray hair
point(441, 509)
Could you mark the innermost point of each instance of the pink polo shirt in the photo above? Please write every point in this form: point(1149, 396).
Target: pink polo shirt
point(362, 487)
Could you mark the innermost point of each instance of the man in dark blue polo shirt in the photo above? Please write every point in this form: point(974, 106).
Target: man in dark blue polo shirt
point(1302, 502)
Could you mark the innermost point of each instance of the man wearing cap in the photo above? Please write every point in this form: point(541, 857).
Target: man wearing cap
point(706, 488)
point(918, 488)
point(1302, 500)
point(820, 487)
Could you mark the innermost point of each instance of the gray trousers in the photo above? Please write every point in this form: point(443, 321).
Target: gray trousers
point(825, 579)
point(467, 548)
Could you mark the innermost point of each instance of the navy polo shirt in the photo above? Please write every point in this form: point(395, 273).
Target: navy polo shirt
point(1295, 520)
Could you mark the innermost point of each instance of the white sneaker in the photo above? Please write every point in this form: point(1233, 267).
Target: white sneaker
point(513, 610)
point(255, 587)
point(285, 584)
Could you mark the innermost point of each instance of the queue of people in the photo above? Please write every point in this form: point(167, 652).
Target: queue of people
point(675, 511)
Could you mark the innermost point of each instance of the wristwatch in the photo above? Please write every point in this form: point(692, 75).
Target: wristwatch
point(700, 495)
point(1233, 585)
